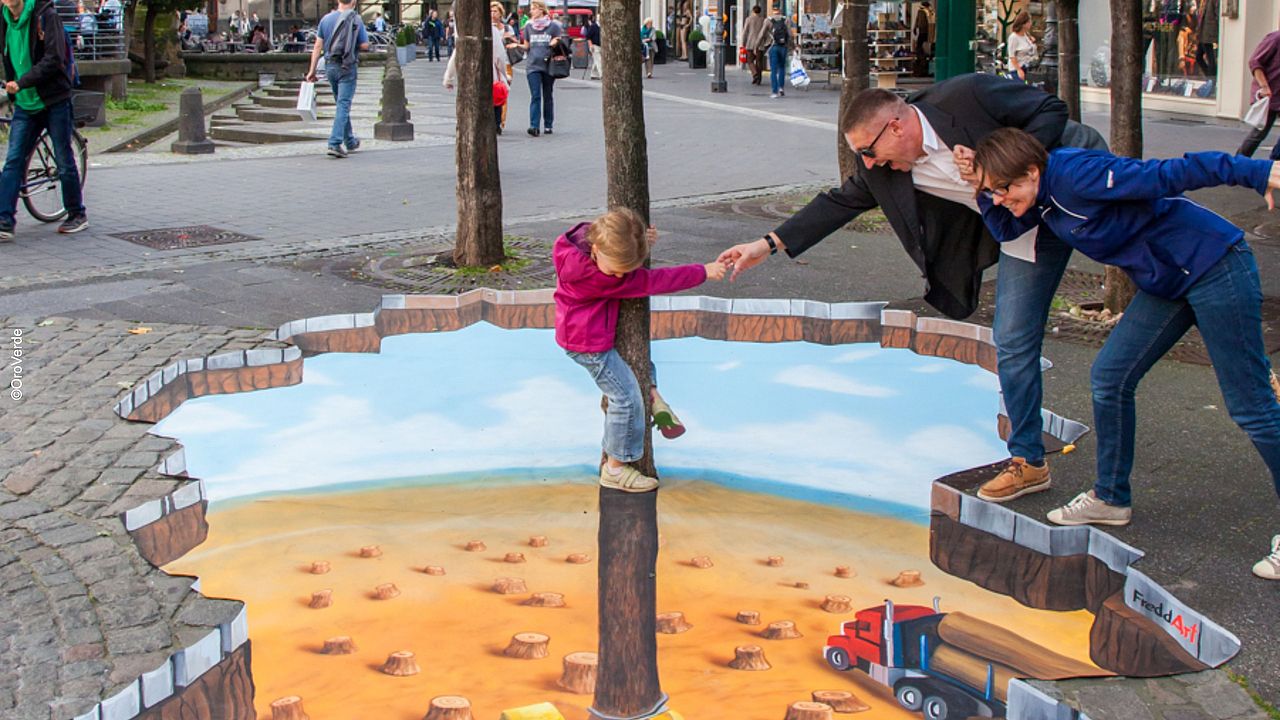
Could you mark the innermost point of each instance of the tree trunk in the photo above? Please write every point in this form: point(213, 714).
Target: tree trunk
point(782, 630)
point(856, 75)
point(579, 676)
point(1126, 118)
point(748, 617)
point(288, 708)
point(1069, 56)
point(340, 645)
point(149, 46)
point(401, 663)
point(211, 9)
point(321, 599)
point(130, 12)
point(449, 707)
point(673, 623)
point(841, 701)
point(479, 187)
point(627, 681)
point(805, 710)
point(527, 645)
point(749, 657)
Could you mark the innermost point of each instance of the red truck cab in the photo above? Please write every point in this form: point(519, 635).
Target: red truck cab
point(861, 642)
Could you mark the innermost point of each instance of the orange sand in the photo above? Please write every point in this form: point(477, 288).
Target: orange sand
point(261, 552)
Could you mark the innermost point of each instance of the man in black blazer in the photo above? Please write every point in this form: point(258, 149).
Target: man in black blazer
point(915, 167)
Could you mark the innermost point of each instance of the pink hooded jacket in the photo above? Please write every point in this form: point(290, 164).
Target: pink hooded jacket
point(587, 299)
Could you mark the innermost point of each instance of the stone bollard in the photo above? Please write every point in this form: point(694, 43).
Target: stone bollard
point(191, 136)
point(394, 124)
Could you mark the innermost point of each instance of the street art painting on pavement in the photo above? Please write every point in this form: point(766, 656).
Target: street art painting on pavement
point(416, 520)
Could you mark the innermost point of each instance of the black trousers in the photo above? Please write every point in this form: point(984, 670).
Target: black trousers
point(1256, 136)
point(1207, 60)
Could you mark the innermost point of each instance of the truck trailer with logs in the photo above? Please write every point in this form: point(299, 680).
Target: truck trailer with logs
point(944, 665)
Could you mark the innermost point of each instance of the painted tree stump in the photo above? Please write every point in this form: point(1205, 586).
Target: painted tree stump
point(449, 707)
point(538, 541)
point(805, 710)
point(433, 570)
point(476, 546)
point(545, 599)
point(510, 586)
point(844, 571)
point(907, 578)
point(800, 585)
point(578, 559)
point(837, 604)
point(527, 646)
point(748, 617)
point(774, 561)
point(702, 561)
point(672, 623)
point(370, 551)
point(340, 645)
point(386, 591)
point(579, 674)
point(513, 557)
point(401, 663)
point(319, 567)
point(782, 630)
point(749, 657)
point(288, 708)
point(321, 599)
point(841, 701)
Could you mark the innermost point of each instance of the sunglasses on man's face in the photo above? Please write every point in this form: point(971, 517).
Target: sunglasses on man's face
point(869, 152)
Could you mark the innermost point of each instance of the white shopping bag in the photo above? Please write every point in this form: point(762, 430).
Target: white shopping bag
point(799, 78)
point(1256, 115)
point(307, 100)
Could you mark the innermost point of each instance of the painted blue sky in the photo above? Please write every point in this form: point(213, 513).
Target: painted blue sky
point(874, 423)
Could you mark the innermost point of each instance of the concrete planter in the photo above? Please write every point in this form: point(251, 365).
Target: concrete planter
point(406, 54)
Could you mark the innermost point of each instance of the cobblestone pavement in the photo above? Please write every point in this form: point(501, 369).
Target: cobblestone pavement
point(81, 613)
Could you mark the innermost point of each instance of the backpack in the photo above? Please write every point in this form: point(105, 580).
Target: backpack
point(340, 50)
point(68, 57)
point(781, 34)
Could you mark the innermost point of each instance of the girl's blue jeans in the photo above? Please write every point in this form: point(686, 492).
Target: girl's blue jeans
point(624, 420)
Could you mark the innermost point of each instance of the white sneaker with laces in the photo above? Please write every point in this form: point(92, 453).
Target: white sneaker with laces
point(1089, 509)
point(1268, 568)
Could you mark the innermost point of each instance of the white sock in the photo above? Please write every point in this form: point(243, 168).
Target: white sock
point(615, 471)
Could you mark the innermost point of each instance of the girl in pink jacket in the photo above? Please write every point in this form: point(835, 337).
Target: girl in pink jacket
point(598, 264)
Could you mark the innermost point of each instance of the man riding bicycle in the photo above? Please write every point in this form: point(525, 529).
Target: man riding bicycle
point(38, 81)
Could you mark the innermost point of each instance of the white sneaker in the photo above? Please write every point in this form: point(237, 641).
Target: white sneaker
point(774, 95)
point(1268, 568)
point(1089, 509)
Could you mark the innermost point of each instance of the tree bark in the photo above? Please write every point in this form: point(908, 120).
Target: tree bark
point(749, 657)
point(479, 186)
point(1069, 56)
point(579, 676)
point(212, 12)
point(149, 46)
point(856, 75)
point(527, 646)
point(1126, 118)
point(627, 680)
point(673, 623)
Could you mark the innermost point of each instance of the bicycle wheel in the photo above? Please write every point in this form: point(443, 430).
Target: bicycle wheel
point(42, 192)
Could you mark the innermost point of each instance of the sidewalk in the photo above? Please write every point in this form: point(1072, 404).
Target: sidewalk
point(723, 169)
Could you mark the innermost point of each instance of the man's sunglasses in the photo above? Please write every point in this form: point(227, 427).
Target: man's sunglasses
point(869, 152)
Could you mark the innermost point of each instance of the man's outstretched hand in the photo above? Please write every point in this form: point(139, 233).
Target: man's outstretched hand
point(744, 256)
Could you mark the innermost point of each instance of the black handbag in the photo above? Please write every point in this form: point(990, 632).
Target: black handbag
point(515, 55)
point(558, 67)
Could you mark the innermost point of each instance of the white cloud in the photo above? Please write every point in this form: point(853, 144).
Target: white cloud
point(311, 376)
point(726, 367)
point(984, 381)
point(930, 369)
point(860, 354)
point(813, 377)
point(203, 417)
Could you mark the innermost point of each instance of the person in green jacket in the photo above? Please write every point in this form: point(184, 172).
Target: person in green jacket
point(38, 81)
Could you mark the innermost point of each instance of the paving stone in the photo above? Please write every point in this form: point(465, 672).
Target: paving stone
point(142, 639)
point(1112, 701)
point(69, 536)
point(120, 476)
point(138, 459)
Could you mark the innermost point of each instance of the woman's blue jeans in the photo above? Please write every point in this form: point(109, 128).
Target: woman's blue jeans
point(24, 131)
point(1226, 305)
point(542, 106)
point(777, 68)
point(1024, 294)
point(624, 420)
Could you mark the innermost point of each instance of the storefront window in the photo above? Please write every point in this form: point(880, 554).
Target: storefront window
point(1179, 39)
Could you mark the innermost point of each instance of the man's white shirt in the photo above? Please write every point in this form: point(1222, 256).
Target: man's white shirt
point(936, 173)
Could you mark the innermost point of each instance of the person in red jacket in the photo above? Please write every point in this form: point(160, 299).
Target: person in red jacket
point(597, 264)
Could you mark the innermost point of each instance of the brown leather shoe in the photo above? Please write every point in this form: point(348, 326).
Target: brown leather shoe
point(1016, 480)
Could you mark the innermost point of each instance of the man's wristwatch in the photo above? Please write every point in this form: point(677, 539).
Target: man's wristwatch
point(773, 246)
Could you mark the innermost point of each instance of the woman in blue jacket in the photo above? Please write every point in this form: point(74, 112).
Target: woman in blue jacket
point(1191, 266)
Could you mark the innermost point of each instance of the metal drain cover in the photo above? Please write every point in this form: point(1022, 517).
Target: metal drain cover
point(189, 236)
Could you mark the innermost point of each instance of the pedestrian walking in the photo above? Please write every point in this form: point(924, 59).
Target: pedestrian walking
point(1207, 39)
point(649, 38)
point(908, 169)
point(450, 33)
point(592, 35)
point(38, 82)
point(1192, 268)
point(340, 37)
point(379, 23)
point(781, 40)
point(1264, 63)
point(499, 62)
point(433, 31)
point(541, 37)
point(1021, 47)
point(754, 40)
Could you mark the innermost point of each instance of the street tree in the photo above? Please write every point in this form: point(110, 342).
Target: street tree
point(627, 679)
point(1126, 118)
point(855, 74)
point(479, 187)
point(155, 10)
point(1069, 56)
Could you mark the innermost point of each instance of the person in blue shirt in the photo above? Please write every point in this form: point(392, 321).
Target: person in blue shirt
point(1191, 266)
point(340, 37)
